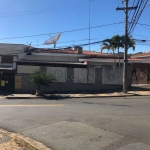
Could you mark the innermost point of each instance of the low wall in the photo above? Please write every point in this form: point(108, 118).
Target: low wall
point(69, 86)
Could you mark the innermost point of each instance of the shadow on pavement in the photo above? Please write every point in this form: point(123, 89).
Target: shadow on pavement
point(140, 88)
point(55, 97)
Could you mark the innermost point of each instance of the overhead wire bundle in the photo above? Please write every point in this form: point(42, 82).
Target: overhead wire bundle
point(141, 4)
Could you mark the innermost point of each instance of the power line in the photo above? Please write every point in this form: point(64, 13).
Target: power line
point(93, 38)
point(130, 10)
point(142, 35)
point(49, 9)
point(141, 7)
point(145, 27)
point(93, 43)
point(134, 14)
point(61, 31)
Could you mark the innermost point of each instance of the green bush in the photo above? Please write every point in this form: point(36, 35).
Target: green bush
point(42, 79)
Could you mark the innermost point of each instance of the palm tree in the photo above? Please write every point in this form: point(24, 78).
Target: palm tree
point(107, 44)
point(131, 42)
point(117, 42)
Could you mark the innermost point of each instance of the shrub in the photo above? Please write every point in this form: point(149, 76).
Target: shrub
point(42, 79)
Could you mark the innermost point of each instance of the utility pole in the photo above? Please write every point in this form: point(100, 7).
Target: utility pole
point(125, 66)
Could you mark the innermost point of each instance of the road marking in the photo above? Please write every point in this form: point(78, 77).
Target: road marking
point(43, 105)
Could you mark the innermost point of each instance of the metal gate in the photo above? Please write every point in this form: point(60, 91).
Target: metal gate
point(7, 82)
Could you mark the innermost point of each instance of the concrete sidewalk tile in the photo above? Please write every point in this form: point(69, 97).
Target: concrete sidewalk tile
point(16, 141)
point(136, 146)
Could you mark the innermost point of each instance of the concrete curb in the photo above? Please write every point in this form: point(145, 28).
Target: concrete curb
point(102, 96)
point(23, 97)
point(27, 140)
point(59, 96)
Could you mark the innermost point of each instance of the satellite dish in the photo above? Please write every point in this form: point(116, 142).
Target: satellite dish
point(53, 40)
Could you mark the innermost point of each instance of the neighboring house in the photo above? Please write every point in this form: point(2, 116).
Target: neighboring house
point(141, 68)
point(76, 70)
point(8, 65)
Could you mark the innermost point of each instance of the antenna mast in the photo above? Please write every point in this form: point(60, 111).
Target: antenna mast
point(89, 23)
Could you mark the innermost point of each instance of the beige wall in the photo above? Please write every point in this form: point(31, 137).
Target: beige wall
point(59, 72)
point(51, 58)
point(21, 56)
point(27, 69)
point(80, 75)
point(11, 48)
point(112, 75)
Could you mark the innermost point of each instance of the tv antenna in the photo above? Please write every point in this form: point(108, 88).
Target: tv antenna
point(53, 40)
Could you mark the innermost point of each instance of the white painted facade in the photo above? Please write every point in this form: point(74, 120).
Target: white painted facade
point(27, 69)
point(52, 57)
point(59, 72)
point(80, 75)
point(6, 48)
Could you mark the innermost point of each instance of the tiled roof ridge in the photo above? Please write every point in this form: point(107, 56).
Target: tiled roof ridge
point(71, 51)
point(141, 54)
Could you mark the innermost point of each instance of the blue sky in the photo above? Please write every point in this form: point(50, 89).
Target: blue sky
point(21, 18)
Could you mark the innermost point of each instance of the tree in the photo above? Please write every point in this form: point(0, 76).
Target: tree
point(41, 79)
point(131, 42)
point(117, 42)
point(107, 44)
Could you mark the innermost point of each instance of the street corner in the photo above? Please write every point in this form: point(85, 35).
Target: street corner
point(15, 141)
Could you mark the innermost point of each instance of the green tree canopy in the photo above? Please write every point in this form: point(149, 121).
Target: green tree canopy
point(117, 42)
point(41, 79)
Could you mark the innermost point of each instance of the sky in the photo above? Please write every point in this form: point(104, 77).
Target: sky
point(35, 21)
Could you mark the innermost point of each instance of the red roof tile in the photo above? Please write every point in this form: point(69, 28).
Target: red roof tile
point(141, 55)
point(71, 51)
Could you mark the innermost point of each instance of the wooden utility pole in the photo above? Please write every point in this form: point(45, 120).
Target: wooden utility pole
point(125, 44)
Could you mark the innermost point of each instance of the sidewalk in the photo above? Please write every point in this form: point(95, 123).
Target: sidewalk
point(134, 90)
point(53, 96)
point(13, 141)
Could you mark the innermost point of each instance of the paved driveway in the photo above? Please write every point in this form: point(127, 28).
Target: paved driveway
point(79, 124)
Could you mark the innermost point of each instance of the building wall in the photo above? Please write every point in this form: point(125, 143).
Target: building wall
point(141, 73)
point(7, 61)
point(27, 69)
point(69, 81)
point(52, 57)
point(141, 76)
point(80, 75)
point(11, 48)
point(59, 72)
point(112, 75)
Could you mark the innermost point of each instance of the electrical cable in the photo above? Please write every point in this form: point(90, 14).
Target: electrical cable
point(138, 14)
point(144, 26)
point(138, 17)
point(62, 31)
point(139, 3)
point(132, 6)
point(47, 10)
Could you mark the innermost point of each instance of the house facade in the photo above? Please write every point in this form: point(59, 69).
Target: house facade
point(141, 68)
point(8, 56)
point(76, 70)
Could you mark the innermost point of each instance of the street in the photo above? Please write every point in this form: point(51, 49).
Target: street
point(119, 123)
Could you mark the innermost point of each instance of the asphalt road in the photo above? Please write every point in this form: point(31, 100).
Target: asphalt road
point(79, 124)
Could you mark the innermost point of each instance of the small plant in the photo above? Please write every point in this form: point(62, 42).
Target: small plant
point(41, 79)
